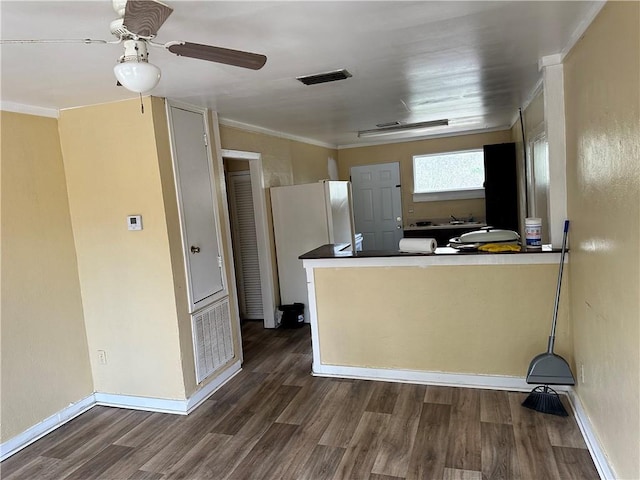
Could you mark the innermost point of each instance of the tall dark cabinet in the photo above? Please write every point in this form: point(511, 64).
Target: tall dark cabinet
point(501, 186)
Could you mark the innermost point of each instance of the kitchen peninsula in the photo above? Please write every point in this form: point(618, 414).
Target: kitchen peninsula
point(448, 318)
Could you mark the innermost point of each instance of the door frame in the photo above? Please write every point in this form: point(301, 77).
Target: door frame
point(265, 258)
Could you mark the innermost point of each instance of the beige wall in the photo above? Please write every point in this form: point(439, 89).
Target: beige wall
point(284, 162)
point(45, 364)
point(403, 153)
point(602, 102)
point(112, 168)
point(439, 319)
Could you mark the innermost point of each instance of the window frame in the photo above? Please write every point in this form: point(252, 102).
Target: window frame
point(455, 194)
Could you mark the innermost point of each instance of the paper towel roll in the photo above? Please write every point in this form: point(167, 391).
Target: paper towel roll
point(418, 245)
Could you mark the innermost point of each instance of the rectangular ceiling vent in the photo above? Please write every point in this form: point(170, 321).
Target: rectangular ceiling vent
point(324, 77)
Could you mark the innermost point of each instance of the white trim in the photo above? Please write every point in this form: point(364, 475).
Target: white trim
point(437, 259)
point(163, 405)
point(227, 122)
point(30, 435)
point(605, 470)
point(222, 186)
point(29, 109)
point(265, 259)
point(448, 195)
point(149, 404)
point(549, 61)
point(582, 28)
point(198, 397)
point(490, 382)
point(555, 125)
point(313, 314)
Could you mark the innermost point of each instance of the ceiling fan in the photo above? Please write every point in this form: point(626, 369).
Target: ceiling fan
point(136, 27)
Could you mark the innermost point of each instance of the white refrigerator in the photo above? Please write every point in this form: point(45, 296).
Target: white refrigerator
point(305, 217)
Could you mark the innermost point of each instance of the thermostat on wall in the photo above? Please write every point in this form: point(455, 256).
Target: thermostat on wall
point(134, 222)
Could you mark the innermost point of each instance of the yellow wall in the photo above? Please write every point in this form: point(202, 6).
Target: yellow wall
point(111, 162)
point(602, 102)
point(440, 318)
point(45, 364)
point(403, 153)
point(284, 162)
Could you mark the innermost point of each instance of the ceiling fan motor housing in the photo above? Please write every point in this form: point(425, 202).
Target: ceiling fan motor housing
point(135, 51)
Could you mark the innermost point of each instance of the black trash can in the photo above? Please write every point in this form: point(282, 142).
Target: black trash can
point(292, 315)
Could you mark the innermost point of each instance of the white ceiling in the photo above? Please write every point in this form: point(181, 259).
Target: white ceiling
point(473, 62)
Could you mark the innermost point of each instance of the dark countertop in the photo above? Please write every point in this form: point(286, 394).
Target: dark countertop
point(330, 251)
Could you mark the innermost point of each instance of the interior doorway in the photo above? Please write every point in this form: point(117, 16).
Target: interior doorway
point(264, 270)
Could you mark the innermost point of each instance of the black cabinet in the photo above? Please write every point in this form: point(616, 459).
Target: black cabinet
point(501, 186)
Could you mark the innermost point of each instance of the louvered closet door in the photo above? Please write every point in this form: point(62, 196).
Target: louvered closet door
point(245, 246)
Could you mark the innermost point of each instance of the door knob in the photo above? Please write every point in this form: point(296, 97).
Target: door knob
point(195, 249)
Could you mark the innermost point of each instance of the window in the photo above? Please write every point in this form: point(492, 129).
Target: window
point(448, 176)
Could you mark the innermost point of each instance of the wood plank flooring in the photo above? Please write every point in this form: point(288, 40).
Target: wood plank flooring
point(275, 421)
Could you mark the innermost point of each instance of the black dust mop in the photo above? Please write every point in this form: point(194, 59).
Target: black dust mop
point(549, 368)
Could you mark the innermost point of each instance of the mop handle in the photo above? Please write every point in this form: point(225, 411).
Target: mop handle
point(552, 338)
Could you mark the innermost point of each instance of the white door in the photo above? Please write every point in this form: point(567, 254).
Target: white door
point(245, 246)
point(377, 207)
point(197, 205)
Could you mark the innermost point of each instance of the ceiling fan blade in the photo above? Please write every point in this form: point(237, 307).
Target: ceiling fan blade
point(56, 40)
point(237, 58)
point(145, 17)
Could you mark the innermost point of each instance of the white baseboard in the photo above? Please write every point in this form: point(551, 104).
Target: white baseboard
point(49, 424)
point(597, 453)
point(179, 407)
point(149, 404)
point(494, 382)
point(163, 405)
point(210, 388)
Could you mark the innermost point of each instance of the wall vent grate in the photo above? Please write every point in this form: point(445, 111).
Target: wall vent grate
point(212, 339)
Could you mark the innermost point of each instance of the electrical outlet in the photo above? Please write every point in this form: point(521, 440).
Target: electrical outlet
point(102, 357)
point(582, 373)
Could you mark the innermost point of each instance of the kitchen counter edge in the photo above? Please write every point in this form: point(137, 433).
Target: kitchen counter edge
point(341, 255)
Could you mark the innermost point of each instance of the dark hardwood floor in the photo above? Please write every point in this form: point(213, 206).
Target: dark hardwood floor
point(275, 421)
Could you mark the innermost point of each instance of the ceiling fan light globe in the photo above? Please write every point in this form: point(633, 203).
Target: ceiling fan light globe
point(139, 77)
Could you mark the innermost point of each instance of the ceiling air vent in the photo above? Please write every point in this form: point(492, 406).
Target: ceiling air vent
point(324, 77)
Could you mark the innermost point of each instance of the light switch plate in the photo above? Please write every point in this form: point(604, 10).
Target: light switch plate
point(134, 222)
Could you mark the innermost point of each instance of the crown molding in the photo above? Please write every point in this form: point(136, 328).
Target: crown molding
point(29, 109)
point(227, 122)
